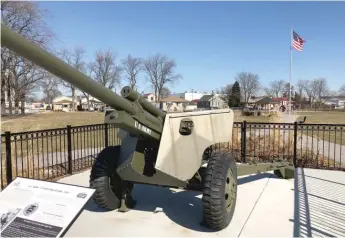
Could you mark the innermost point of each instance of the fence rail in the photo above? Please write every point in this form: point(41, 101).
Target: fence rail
point(50, 154)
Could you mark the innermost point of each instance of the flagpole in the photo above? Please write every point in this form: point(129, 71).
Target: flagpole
point(291, 33)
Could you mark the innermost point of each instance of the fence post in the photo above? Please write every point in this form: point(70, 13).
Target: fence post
point(243, 140)
point(9, 176)
point(106, 138)
point(69, 149)
point(295, 144)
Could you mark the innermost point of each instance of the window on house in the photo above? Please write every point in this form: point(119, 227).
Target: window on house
point(151, 98)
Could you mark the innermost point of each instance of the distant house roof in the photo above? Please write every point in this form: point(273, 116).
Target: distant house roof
point(333, 97)
point(62, 101)
point(194, 102)
point(173, 99)
point(267, 100)
point(147, 94)
point(255, 99)
point(205, 98)
point(280, 99)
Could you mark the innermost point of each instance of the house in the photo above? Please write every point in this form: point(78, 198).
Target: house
point(151, 97)
point(268, 103)
point(94, 103)
point(64, 103)
point(208, 102)
point(192, 105)
point(173, 104)
point(337, 102)
point(190, 96)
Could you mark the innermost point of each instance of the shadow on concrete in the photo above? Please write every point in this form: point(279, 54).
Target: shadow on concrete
point(182, 207)
point(319, 206)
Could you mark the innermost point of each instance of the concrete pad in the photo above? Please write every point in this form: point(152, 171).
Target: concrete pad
point(312, 204)
point(180, 214)
point(274, 211)
point(319, 203)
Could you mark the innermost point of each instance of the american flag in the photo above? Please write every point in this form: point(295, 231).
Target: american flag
point(297, 41)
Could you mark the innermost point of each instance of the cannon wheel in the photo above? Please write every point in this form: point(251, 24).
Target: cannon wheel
point(219, 191)
point(105, 180)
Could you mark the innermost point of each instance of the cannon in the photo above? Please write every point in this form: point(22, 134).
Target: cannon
point(156, 148)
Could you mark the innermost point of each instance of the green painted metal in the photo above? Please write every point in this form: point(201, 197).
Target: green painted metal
point(132, 124)
point(133, 168)
point(128, 93)
point(286, 172)
point(247, 169)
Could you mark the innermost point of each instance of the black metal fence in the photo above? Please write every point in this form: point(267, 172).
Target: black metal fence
point(51, 154)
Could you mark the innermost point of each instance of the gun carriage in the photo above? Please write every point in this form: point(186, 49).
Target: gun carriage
point(157, 148)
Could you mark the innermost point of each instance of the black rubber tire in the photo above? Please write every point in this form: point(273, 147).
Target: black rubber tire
point(105, 180)
point(215, 213)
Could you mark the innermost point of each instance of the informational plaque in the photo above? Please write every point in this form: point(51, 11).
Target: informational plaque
point(34, 208)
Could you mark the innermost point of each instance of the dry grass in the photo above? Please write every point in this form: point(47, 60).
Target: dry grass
point(331, 117)
point(274, 147)
point(50, 120)
point(46, 142)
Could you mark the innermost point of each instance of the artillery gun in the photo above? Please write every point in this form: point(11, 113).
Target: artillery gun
point(157, 148)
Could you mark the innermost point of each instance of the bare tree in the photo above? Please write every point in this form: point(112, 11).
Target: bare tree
point(160, 71)
point(300, 87)
point(321, 88)
point(105, 70)
point(19, 76)
point(311, 90)
point(315, 89)
point(166, 92)
point(75, 59)
point(342, 90)
point(249, 84)
point(27, 78)
point(225, 93)
point(277, 87)
point(269, 92)
point(49, 86)
point(132, 67)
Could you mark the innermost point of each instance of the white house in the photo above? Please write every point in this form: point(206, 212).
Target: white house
point(192, 105)
point(190, 96)
point(337, 101)
point(211, 101)
point(173, 104)
point(64, 103)
point(151, 97)
point(94, 103)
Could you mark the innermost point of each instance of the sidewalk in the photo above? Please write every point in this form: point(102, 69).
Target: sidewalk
point(265, 207)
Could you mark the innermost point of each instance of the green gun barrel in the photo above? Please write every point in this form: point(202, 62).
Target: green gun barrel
point(128, 93)
point(31, 51)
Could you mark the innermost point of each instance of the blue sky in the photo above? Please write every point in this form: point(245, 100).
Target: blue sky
point(211, 41)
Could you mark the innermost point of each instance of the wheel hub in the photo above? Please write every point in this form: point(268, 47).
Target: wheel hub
point(229, 190)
